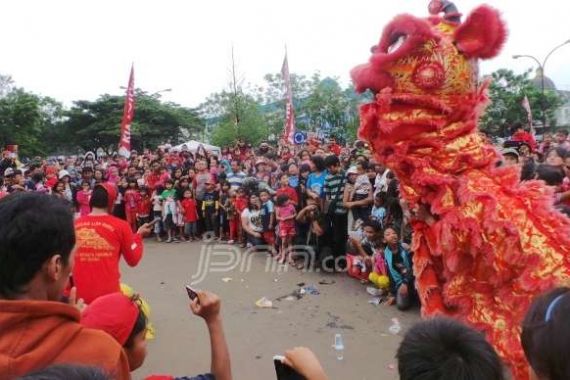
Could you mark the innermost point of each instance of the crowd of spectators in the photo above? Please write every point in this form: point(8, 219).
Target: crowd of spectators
point(332, 200)
point(44, 338)
point(547, 160)
point(286, 200)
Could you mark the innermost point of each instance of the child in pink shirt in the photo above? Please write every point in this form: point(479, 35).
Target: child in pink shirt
point(285, 213)
point(83, 198)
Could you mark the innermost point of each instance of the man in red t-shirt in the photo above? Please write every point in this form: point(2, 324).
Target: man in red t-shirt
point(101, 241)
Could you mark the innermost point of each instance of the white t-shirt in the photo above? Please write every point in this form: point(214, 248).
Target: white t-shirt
point(381, 182)
point(156, 204)
point(362, 185)
point(254, 219)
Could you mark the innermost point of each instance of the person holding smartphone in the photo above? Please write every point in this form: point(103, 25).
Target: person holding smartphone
point(122, 318)
point(299, 362)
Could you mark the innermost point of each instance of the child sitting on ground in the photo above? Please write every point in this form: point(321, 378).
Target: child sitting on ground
point(360, 260)
point(399, 264)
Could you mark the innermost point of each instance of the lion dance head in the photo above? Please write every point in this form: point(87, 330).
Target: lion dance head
point(424, 72)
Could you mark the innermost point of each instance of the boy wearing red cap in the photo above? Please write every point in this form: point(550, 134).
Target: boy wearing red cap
point(122, 318)
point(101, 241)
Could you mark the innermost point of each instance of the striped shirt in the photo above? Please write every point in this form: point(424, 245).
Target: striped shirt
point(334, 189)
point(235, 180)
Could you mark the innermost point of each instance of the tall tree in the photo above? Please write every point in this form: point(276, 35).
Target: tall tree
point(506, 93)
point(94, 124)
point(272, 96)
point(329, 107)
point(21, 121)
point(219, 112)
point(6, 85)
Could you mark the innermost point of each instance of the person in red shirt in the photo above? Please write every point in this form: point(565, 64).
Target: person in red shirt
point(284, 188)
point(190, 212)
point(132, 203)
point(143, 212)
point(334, 147)
point(241, 203)
point(101, 241)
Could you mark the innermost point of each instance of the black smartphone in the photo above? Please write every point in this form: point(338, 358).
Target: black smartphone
point(283, 371)
point(191, 293)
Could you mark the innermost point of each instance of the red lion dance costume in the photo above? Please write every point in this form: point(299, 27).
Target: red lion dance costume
point(495, 243)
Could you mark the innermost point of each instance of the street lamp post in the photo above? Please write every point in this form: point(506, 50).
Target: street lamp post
point(541, 68)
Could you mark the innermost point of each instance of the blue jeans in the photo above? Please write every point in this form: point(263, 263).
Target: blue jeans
point(255, 241)
point(191, 229)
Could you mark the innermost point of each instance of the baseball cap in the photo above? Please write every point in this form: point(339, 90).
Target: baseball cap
point(63, 173)
point(352, 170)
point(114, 313)
point(8, 172)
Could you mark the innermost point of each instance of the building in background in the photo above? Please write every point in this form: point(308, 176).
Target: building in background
point(562, 114)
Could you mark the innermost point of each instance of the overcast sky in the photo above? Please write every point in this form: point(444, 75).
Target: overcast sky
point(79, 49)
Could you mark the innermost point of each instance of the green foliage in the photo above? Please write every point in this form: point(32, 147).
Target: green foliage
point(319, 103)
point(22, 121)
point(94, 124)
point(272, 96)
point(506, 93)
point(234, 117)
point(40, 125)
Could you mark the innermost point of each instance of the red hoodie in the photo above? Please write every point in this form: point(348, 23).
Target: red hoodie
point(101, 241)
point(37, 334)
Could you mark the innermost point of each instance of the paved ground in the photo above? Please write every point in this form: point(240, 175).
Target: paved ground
point(254, 335)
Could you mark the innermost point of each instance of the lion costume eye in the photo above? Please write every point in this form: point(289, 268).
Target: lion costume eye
point(398, 42)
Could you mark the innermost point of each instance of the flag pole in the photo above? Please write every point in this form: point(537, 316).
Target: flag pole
point(289, 124)
point(128, 116)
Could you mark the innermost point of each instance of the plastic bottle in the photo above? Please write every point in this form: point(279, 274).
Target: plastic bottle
point(338, 346)
point(395, 328)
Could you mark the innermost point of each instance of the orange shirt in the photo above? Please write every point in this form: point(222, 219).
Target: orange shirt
point(37, 334)
point(101, 241)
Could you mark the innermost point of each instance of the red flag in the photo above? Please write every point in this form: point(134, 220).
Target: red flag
point(526, 105)
point(128, 115)
point(289, 129)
